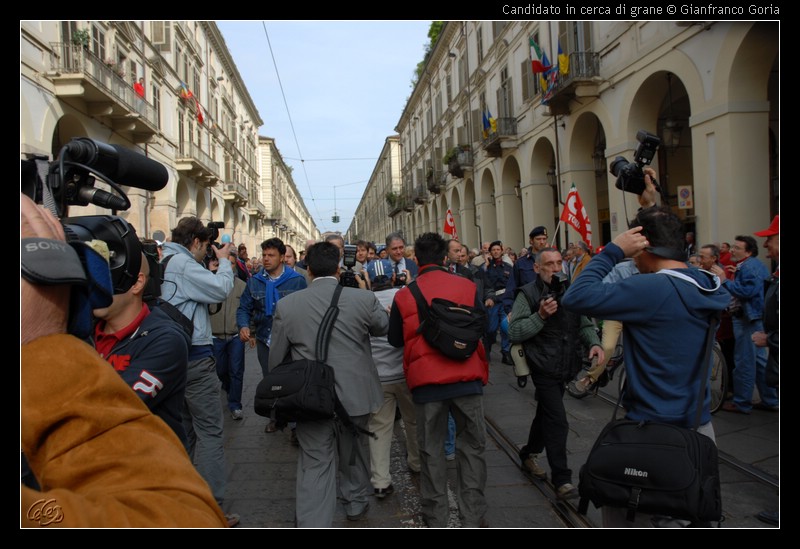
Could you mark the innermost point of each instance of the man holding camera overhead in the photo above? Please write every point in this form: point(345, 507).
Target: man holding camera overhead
point(550, 336)
point(191, 287)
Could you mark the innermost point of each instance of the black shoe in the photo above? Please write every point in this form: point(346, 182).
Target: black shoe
point(507, 358)
point(381, 493)
point(770, 517)
point(359, 516)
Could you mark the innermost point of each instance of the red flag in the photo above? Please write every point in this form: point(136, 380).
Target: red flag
point(199, 111)
point(450, 224)
point(575, 214)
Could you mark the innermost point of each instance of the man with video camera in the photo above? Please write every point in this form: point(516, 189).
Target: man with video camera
point(195, 287)
point(554, 339)
point(100, 457)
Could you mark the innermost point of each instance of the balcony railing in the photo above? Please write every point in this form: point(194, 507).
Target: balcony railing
point(420, 194)
point(235, 193)
point(460, 162)
point(506, 129)
point(580, 81)
point(78, 74)
point(257, 208)
point(196, 163)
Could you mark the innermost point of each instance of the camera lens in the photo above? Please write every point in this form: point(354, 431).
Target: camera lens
point(617, 166)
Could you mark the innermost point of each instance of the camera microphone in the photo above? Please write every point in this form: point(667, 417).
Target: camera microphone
point(123, 166)
point(99, 197)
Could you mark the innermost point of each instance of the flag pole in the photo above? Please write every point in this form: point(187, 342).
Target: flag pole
point(555, 234)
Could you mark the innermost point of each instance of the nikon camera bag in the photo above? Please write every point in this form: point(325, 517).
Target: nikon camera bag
point(655, 468)
point(453, 329)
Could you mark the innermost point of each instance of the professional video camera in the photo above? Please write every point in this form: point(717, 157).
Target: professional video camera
point(630, 176)
point(347, 278)
point(69, 180)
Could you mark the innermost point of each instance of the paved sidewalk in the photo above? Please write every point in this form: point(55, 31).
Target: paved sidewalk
point(262, 467)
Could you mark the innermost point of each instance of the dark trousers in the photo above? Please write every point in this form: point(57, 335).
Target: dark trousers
point(263, 356)
point(549, 429)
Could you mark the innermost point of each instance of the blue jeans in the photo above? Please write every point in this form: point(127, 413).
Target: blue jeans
point(230, 368)
point(750, 366)
point(496, 315)
point(450, 441)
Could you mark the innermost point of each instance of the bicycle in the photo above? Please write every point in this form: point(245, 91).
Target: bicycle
point(717, 383)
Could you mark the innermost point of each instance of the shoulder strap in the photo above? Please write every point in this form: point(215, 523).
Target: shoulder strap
point(326, 326)
point(532, 294)
point(422, 305)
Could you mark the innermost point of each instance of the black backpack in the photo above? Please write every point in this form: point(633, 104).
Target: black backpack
point(451, 328)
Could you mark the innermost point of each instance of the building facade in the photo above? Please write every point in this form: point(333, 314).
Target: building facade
point(168, 90)
point(384, 198)
point(485, 137)
point(287, 215)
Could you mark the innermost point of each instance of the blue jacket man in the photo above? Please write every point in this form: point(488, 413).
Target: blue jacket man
point(751, 361)
point(264, 289)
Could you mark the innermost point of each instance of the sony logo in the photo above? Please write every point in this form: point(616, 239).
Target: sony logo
point(630, 471)
point(45, 245)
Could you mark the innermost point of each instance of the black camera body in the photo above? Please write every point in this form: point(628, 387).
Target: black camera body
point(630, 176)
point(400, 279)
point(214, 226)
point(556, 288)
point(347, 278)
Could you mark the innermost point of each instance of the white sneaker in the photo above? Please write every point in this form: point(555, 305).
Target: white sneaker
point(237, 414)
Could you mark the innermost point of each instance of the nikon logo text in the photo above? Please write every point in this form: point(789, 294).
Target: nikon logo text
point(631, 472)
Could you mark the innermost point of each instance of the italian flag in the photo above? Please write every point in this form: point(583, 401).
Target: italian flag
point(539, 62)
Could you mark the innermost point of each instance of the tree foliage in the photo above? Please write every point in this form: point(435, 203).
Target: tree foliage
point(433, 35)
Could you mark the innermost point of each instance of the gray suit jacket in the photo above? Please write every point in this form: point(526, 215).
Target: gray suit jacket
point(294, 332)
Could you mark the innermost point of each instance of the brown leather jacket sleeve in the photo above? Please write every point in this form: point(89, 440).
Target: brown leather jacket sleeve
point(101, 458)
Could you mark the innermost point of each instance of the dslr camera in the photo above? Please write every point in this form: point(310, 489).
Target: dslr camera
point(214, 226)
point(348, 277)
point(630, 175)
point(556, 288)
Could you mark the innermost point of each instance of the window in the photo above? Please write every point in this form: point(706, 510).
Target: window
point(498, 27)
point(479, 40)
point(161, 34)
point(505, 95)
point(576, 41)
point(449, 86)
point(437, 104)
point(99, 43)
point(155, 93)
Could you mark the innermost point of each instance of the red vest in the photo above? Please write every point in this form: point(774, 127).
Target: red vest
point(422, 364)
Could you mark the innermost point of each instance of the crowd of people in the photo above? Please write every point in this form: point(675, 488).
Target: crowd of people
point(548, 300)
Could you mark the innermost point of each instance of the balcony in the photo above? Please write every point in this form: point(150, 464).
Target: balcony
point(257, 208)
point(420, 194)
point(435, 181)
point(504, 137)
point(193, 162)
point(458, 160)
point(87, 83)
point(235, 193)
point(581, 81)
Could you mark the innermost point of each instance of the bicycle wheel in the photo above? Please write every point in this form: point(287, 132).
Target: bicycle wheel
point(718, 381)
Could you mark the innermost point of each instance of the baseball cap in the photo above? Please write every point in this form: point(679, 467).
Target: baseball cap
point(537, 231)
point(379, 270)
point(773, 228)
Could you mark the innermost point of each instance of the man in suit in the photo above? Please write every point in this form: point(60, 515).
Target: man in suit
point(294, 332)
point(405, 270)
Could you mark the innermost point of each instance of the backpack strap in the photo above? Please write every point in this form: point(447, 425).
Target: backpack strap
point(422, 305)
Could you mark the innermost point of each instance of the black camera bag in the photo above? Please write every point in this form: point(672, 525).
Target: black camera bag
point(304, 389)
point(453, 329)
point(655, 468)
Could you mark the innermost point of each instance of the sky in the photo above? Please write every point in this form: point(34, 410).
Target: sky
point(345, 84)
